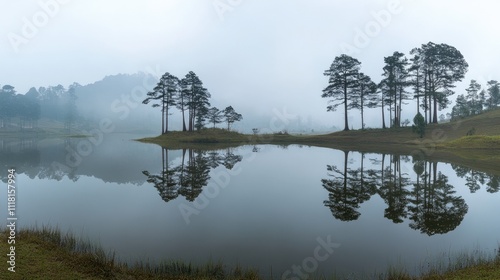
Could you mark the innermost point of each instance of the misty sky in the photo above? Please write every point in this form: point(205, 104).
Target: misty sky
point(257, 55)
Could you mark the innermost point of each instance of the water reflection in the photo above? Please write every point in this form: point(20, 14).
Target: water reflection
point(348, 189)
point(188, 178)
point(474, 179)
point(398, 199)
point(435, 209)
point(415, 191)
point(424, 197)
point(22, 154)
point(71, 158)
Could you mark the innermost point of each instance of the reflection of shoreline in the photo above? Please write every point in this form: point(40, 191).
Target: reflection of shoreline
point(22, 154)
point(45, 158)
point(428, 202)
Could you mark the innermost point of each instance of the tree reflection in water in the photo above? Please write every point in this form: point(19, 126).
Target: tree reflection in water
point(348, 189)
point(188, 178)
point(428, 201)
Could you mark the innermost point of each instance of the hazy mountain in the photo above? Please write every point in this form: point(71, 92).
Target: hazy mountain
point(119, 98)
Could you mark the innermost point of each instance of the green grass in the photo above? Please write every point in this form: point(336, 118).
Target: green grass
point(474, 142)
point(46, 253)
point(442, 136)
point(204, 139)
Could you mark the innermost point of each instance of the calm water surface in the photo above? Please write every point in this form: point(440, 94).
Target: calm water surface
point(265, 207)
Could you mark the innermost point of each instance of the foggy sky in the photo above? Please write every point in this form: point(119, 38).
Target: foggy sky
point(257, 55)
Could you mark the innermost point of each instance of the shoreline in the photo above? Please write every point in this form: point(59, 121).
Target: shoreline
point(479, 151)
point(53, 254)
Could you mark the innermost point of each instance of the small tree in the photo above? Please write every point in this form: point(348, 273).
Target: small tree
point(201, 117)
point(231, 116)
point(475, 98)
point(214, 116)
point(419, 125)
point(494, 94)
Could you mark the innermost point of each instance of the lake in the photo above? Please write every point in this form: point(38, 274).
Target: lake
point(289, 211)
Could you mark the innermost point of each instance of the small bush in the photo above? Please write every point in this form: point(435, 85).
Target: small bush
point(419, 125)
point(471, 131)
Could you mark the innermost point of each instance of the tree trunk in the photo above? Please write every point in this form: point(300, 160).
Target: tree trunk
point(362, 107)
point(183, 122)
point(183, 116)
point(362, 118)
point(190, 120)
point(418, 103)
point(400, 104)
point(346, 126)
point(425, 107)
point(429, 108)
point(435, 116)
point(418, 91)
point(163, 115)
point(390, 116)
point(166, 120)
point(426, 93)
point(383, 114)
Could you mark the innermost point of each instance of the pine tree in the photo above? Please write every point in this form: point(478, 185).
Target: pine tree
point(231, 116)
point(395, 73)
point(343, 82)
point(214, 116)
point(164, 94)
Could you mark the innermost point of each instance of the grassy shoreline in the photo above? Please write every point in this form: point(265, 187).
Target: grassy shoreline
point(446, 142)
point(479, 152)
point(47, 253)
point(485, 129)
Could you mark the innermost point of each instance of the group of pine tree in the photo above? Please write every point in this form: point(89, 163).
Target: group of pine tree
point(428, 77)
point(188, 94)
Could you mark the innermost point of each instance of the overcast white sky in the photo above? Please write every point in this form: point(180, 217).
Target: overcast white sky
point(256, 54)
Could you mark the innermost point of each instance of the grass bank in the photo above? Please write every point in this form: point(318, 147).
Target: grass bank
point(46, 253)
point(474, 142)
point(485, 129)
point(203, 139)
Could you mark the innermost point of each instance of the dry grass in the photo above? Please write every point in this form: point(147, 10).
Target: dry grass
point(47, 253)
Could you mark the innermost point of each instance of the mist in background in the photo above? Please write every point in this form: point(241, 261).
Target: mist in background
point(260, 57)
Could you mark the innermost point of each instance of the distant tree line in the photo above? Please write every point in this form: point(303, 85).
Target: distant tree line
point(428, 77)
point(188, 94)
point(24, 110)
point(17, 110)
point(476, 100)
